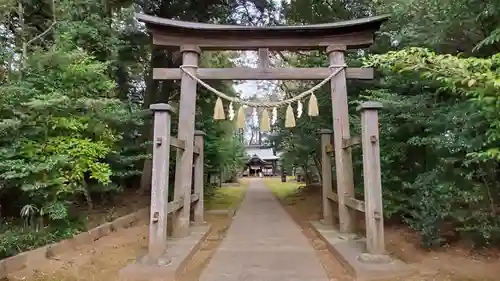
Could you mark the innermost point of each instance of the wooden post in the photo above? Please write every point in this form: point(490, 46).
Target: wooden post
point(264, 58)
point(343, 158)
point(372, 178)
point(326, 172)
point(198, 178)
point(184, 164)
point(159, 181)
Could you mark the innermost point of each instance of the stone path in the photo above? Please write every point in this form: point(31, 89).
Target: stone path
point(263, 244)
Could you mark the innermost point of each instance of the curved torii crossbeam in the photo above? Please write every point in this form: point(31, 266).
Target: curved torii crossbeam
point(357, 33)
point(335, 38)
point(345, 35)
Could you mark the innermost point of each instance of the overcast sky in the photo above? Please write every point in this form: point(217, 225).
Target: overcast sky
point(250, 88)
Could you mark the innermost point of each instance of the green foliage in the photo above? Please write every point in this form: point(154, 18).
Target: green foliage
point(473, 78)
point(224, 153)
point(74, 80)
point(14, 239)
point(440, 137)
point(492, 39)
point(439, 125)
point(224, 198)
point(54, 135)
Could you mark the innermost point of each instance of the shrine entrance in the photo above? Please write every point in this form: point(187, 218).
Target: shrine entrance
point(334, 39)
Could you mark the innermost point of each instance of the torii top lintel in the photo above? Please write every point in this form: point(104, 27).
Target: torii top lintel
point(357, 33)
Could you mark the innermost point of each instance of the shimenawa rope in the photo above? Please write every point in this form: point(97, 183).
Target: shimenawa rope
point(264, 124)
point(264, 104)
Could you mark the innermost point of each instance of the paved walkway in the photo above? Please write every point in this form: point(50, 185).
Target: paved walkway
point(263, 244)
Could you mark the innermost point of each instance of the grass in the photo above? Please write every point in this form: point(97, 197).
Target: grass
point(225, 197)
point(282, 190)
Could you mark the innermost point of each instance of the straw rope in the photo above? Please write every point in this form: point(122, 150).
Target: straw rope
point(264, 104)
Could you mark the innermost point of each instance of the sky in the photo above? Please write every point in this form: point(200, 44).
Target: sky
point(251, 87)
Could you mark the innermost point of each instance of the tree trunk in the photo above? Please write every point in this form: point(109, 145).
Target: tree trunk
point(154, 93)
point(88, 198)
point(318, 164)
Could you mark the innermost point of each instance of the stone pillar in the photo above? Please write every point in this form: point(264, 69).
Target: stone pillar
point(184, 164)
point(199, 137)
point(372, 178)
point(343, 158)
point(326, 178)
point(159, 181)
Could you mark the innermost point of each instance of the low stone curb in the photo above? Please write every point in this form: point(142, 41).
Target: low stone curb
point(19, 261)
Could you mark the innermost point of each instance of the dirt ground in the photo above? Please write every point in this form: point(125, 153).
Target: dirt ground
point(457, 263)
point(102, 260)
point(121, 204)
point(98, 261)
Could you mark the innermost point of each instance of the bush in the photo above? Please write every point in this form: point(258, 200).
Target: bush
point(15, 240)
point(60, 132)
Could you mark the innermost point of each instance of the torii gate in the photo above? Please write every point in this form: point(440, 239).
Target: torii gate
point(335, 39)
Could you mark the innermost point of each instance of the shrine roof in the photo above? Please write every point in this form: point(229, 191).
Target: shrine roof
point(262, 153)
point(368, 23)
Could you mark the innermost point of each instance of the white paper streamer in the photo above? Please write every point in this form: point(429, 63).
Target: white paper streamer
point(299, 109)
point(231, 111)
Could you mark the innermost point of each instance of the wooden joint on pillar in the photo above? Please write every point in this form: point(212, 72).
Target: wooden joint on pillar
point(329, 148)
point(199, 133)
point(369, 105)
point(264, 61)
point(162, 107)
point(355, 203)
point(190, 48)
point(326, 176)
point(349, 142)
point(336, 48)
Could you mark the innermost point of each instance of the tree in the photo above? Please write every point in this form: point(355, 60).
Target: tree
point(438, 127)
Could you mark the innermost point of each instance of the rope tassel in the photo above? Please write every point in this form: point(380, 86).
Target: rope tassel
point(313, 106)
point(264, 121)
point(219, 110)
point(290, 119)
point(240, 120)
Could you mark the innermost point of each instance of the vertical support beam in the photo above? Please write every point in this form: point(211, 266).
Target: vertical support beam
point(343, 158)
point(184, 164)
point(326, 178)
point(264, 61)
point(159, 181)
point(372, 178)
point(199, 137)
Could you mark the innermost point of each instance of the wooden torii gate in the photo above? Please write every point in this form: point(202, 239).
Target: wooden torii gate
point(334, 38)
